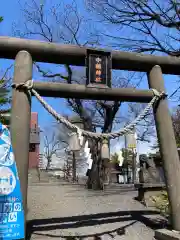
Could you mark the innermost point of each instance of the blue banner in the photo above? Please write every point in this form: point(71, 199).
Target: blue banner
point(11, 206)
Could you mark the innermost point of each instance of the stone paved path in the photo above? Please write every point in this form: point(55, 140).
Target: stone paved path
point(64, 211)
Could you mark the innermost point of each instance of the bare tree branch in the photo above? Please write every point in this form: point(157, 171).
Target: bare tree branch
point(146, 18)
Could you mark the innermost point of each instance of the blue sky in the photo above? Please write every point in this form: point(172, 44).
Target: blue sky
point(11, 12)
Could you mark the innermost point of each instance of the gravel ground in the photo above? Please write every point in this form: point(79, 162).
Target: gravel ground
point(64, 211)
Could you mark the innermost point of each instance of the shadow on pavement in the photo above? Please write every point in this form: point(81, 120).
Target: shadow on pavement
point(118, 231)
point(92, 220)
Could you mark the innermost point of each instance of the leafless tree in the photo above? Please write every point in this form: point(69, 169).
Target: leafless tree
point(5, 96)
point(51, 147)
point(146, 128)
point(62, 135)
point(140, 25)
point(5, 83)
point(152, 26)
point(64, 23)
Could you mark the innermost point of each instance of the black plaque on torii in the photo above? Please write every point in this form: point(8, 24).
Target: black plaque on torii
point(98, 68)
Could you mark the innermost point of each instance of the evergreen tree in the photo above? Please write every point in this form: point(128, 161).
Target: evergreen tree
point(114, 158)
point(128, 157)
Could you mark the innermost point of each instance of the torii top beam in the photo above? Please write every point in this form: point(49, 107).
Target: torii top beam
point(76, 55)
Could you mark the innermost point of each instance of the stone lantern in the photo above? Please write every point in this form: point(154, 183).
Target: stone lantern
point(77, 121)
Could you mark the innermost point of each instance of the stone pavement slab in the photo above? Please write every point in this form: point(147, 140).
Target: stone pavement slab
point(65, 211)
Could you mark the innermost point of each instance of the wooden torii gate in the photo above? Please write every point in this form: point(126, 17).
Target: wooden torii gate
point(26, 51)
